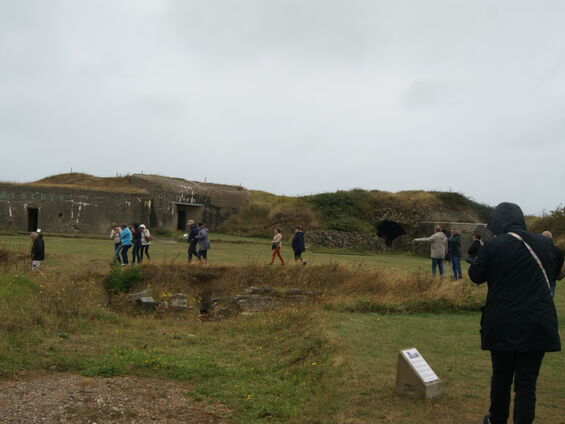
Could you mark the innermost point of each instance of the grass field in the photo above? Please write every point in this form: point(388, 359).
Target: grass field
point(302, 365)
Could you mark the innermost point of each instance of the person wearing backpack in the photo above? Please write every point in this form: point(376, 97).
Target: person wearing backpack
point(519, 320)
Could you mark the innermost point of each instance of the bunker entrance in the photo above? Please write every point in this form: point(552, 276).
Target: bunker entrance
point(181, 220)
point(389, 231)
point(188, 211)
point(32, 219)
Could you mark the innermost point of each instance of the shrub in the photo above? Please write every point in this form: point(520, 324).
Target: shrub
point(122, 280)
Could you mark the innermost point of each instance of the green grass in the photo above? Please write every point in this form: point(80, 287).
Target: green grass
point(312, 365)
point(226, 249)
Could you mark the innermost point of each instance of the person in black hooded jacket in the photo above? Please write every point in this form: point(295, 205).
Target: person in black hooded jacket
point(519, 321)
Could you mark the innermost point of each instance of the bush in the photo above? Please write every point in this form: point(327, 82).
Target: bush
point(122, 280)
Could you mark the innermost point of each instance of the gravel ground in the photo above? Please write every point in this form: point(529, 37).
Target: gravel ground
point(67, 398)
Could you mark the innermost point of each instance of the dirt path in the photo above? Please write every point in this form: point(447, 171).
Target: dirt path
point(67, 398)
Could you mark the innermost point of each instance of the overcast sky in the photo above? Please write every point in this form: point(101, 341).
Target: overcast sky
point(290, 96)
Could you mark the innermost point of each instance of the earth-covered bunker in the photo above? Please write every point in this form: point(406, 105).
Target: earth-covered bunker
point(87, 204)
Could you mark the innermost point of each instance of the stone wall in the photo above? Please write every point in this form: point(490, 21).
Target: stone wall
point(67, 210)
point(343, 240)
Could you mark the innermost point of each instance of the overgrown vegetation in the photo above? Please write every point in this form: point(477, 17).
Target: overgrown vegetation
point(554, 221)
point(330, 362)
point(78, 180)
point(352, 210)
point(122, 279)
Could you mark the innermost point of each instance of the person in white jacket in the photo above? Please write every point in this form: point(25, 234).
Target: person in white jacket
point(276, 247)
point(438, 247)
point(145, 242)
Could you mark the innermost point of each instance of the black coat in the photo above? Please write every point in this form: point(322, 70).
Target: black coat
point(475, 248)
point(558, 258)
point(519, 314)
point(38, 249)
point(298, 242)
point(454, 245)
point(192, 234)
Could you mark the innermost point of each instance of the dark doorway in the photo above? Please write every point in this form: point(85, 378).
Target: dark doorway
point(181, 222)
point(32, 219)
point(389, 230)
point(153, 222)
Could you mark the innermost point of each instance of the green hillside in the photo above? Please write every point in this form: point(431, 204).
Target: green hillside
point(352, 210)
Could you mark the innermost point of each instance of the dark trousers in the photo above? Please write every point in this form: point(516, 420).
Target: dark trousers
point(437, 262)
point(144, 248)
point(523, 368)
point(136, 253)
point(192, 249)
point(124, 253)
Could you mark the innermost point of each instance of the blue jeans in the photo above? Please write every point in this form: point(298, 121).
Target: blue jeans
point(439, 263)
point(117, 248)
point(456, 267)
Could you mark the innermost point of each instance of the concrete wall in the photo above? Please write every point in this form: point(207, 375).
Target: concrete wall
point(68, 210)
point(206, 202)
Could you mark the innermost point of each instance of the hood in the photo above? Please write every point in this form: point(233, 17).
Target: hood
point(506, 217)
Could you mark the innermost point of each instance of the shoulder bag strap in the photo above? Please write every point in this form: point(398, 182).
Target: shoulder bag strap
point(518, 237)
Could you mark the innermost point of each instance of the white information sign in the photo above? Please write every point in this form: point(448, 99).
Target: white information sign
point(420, 365)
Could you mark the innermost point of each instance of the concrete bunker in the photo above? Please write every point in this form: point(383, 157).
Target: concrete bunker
point(389, 231)
point(188, 211)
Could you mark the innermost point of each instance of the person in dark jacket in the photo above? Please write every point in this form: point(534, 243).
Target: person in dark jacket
point(298, 245)
point(558, 257)
point(474, 249)
point(519, 321)
point(192, 240)
point(37, 250)
point(136, 235)
point(454, 252)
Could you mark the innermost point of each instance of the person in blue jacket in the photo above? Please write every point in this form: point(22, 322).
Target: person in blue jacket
point(298, 245)
point(126, 240)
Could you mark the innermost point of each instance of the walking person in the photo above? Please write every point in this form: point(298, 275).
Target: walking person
point(519, 320)
point(126, 241)
point(474, 249)
point(136, 235)
point(276, 247)
point(203, 243)
point(145, 242)
point(454, 251)
point(115, 237)
point(37, 250)
point(438, 249)
point(192, 240)
point(558, 258)
point(298, 245)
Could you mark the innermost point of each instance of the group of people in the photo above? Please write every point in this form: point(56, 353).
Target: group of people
point(519, 319)
point(447, 247)
point(124, 237)
point(298, 246)
point(198, 241)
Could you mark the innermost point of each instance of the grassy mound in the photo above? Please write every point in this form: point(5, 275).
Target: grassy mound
point(77, 180)
point(352, 210)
